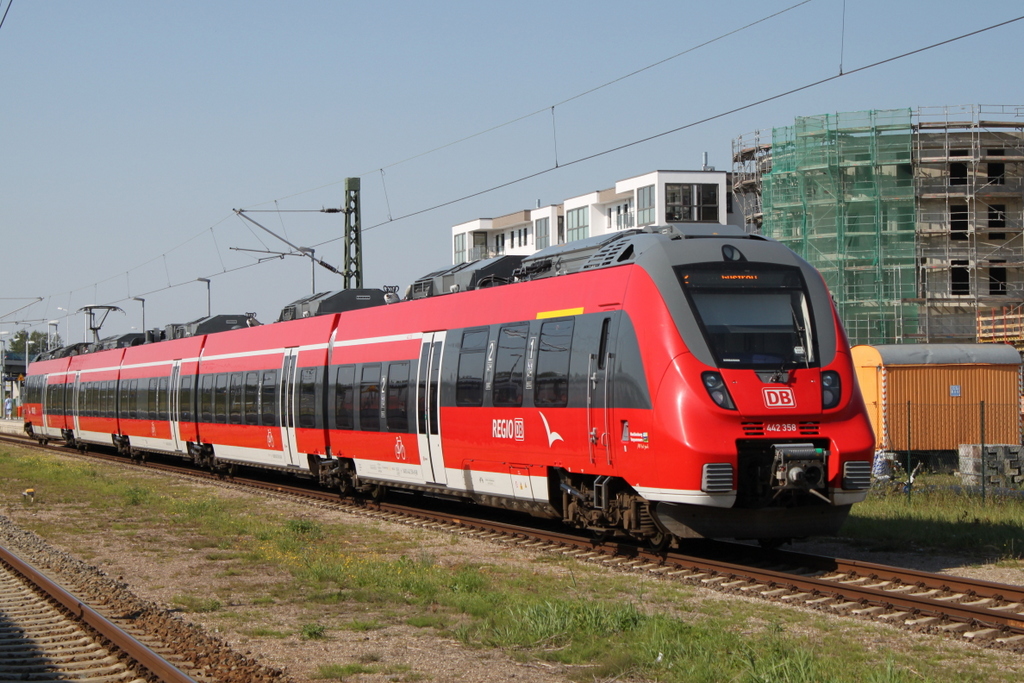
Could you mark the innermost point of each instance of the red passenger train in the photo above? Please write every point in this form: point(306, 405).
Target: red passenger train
point(691, 381)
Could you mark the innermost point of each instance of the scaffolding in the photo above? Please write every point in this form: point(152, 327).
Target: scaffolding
point(914, 218)
point(840, 193)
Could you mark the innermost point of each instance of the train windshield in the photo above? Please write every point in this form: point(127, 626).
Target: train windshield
point(753, 315)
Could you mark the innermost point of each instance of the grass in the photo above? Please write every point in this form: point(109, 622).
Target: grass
point(938, 515)
point(602, 626)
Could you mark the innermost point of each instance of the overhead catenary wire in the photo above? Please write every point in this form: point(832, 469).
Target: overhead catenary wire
point(611, 150)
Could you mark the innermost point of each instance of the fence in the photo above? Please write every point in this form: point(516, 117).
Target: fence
point(979, 442)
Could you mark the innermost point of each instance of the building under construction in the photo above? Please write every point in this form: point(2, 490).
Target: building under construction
point(914, 217)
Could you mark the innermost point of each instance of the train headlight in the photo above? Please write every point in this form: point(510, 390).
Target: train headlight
point(715, 386)
point(831, 389)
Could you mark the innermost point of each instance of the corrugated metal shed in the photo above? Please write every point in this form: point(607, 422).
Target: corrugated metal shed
point(928, 397)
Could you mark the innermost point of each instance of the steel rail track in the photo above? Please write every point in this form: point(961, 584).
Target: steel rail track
point(40, 642)
point(978, 611)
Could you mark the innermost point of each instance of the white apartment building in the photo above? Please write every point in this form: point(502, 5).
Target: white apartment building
point(655, 198)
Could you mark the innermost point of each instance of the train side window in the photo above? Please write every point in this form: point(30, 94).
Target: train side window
point(133, 399)
point(152, 400)
point(345, 397)
point(552, 385)
point(235, 398)
point(251, 399)
point(508, 371)
point(398, 397)
point(220, 399)
point(469, 386)
point(206, 399)
point(369, 398)
point(268, 399)
point(307, 398)
point(602, 351)
point(162, 400)
point(185, 400)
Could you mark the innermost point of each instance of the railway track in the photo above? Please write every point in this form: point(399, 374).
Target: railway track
point(982, 612)
point(46, 633)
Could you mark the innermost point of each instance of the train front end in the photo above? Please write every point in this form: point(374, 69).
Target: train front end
point(770, 436)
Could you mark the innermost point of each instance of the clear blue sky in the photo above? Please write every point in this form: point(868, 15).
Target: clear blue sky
point(130, 130)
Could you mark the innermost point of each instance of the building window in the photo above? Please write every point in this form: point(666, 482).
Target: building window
point(997, 219)
point(542, 231)
point(996, 169)
point(577, 224)
point(997, 279)
point(561, 229)
point(645, 205)
point(685, 203)
point(958, 224)
point(958, 169)
point(959, 278)
point(460, 248)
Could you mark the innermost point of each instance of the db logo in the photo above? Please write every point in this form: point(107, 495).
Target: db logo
point(779, 398)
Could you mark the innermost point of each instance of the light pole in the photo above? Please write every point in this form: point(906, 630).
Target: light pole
point(207, 281)
point(3, 368)
point(143, 302)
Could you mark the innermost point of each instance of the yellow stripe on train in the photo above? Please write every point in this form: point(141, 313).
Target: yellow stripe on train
point(559, 314)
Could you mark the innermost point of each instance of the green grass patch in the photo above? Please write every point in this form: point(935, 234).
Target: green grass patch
point(604, 626)
point(192, 603)
point(937, 515)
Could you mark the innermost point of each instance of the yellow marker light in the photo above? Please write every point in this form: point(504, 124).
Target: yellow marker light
point(561, 313)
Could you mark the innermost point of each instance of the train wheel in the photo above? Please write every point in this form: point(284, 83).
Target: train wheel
point(660, 541)
point(378, 492)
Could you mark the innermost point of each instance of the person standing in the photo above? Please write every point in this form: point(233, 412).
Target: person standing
point(8, 403)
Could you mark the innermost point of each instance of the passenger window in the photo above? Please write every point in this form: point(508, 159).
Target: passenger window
point(185, 400)
point(251, 399)
point(398, 397)
point(552, 385)
point(235, 399)
point(345, 397)
point(206, 399)
point(369, 399)
point(307, 398)
point(220, 400)
point(469, 386)
point(268, 399)
point(508, 371)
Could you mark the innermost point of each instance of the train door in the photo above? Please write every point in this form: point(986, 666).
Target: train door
point(174, 404)
point(428, 400)
point(599, 396)
point(287, 398)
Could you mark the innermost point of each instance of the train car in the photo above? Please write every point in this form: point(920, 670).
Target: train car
point(663, 383)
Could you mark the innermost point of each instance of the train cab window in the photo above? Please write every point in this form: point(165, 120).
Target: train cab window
point(307, 398)
point(206, 399)
point(469, 387)
point(398, 397)
point(345, 397)
point(552, 384)
point(752, 315)
point(508, 370)
point(185, 400)
point(220, 399)
point(268, 398)
point(251, 399)
point(235, 399)
point(369, 398)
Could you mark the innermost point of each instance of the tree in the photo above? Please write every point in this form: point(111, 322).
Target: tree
point(37, 343)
